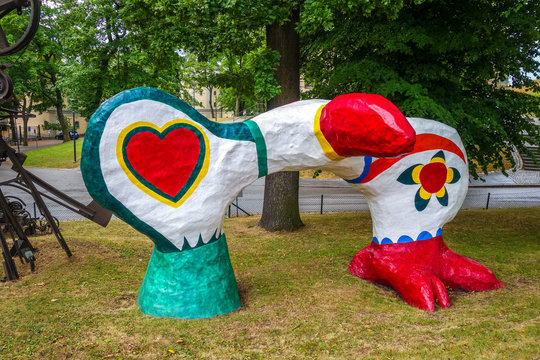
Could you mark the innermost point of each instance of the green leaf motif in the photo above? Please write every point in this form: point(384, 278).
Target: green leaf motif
point(419, 203)
point(439, 154)
point(406, 176)
point(444, 199)
point(456, 176)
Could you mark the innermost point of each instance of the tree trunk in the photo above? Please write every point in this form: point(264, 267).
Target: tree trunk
point(25, 111)
point(237, 106)
point(280, 207)
point(60, 113)
point(25, 129)
point(210, 102)
point(13, 128)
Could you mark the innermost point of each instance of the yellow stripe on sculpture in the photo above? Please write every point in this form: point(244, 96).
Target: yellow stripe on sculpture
point(325, 145)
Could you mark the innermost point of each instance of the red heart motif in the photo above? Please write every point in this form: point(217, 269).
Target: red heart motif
point(165, 163)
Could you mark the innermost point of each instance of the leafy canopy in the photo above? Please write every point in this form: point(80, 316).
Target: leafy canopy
point(102, 57)
point(36, 70)
point(437, 59)
point(444, 60)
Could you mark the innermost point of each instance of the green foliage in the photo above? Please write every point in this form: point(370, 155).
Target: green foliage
point(36, 70)
point(24, 65)
point(227, 99)
point(264, 64)
point(223, 42)
point(51, 126)
point(318, 16)
point(248, 82)
point(435, 59)
point(438, 59)
point(231, 33)
point(103, 58)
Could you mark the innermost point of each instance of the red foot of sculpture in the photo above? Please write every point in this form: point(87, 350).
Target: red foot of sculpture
point(421, 270)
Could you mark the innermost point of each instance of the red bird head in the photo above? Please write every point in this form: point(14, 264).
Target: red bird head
point(366, 125)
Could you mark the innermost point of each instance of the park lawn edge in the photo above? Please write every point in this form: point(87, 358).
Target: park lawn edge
point(57, 156)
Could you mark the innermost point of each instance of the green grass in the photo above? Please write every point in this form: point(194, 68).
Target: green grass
point(299, 302)
point(57, 156)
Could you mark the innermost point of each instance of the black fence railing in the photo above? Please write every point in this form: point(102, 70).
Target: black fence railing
point(478, 197)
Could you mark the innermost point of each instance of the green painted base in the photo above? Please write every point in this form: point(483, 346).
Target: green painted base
point(191, 284)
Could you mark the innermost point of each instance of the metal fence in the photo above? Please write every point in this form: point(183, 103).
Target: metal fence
point(503, 196)
point(478, 197)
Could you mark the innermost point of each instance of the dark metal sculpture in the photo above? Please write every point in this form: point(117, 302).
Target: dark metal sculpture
point(15, 219)
point(7, 6)
point(12, 219)
point(32, 10)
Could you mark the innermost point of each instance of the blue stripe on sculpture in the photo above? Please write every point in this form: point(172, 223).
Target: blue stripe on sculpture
point(424, 235)
point(367, 165)
point(405, 239)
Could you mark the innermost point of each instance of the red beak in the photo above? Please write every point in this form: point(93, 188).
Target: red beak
point(366, 125)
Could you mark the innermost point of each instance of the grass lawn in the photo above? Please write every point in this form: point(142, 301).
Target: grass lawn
point(299, 302)
point(57, 156)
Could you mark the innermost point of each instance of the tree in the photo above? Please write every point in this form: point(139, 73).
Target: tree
point(36, 71)
point(50, 52)
point(280, 207)
point(443, 60)
point(236, 84)
point(104, 58)
point(25, 91)
point(232, 30)
point(229, 36)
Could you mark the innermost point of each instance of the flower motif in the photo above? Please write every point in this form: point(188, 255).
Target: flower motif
point(432, 178)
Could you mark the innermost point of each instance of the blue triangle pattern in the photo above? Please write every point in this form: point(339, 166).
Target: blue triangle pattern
point(403, 239)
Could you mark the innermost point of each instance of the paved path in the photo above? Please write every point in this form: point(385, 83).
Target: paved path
point(68, 181)
point(337, 194)
point(525, 177)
